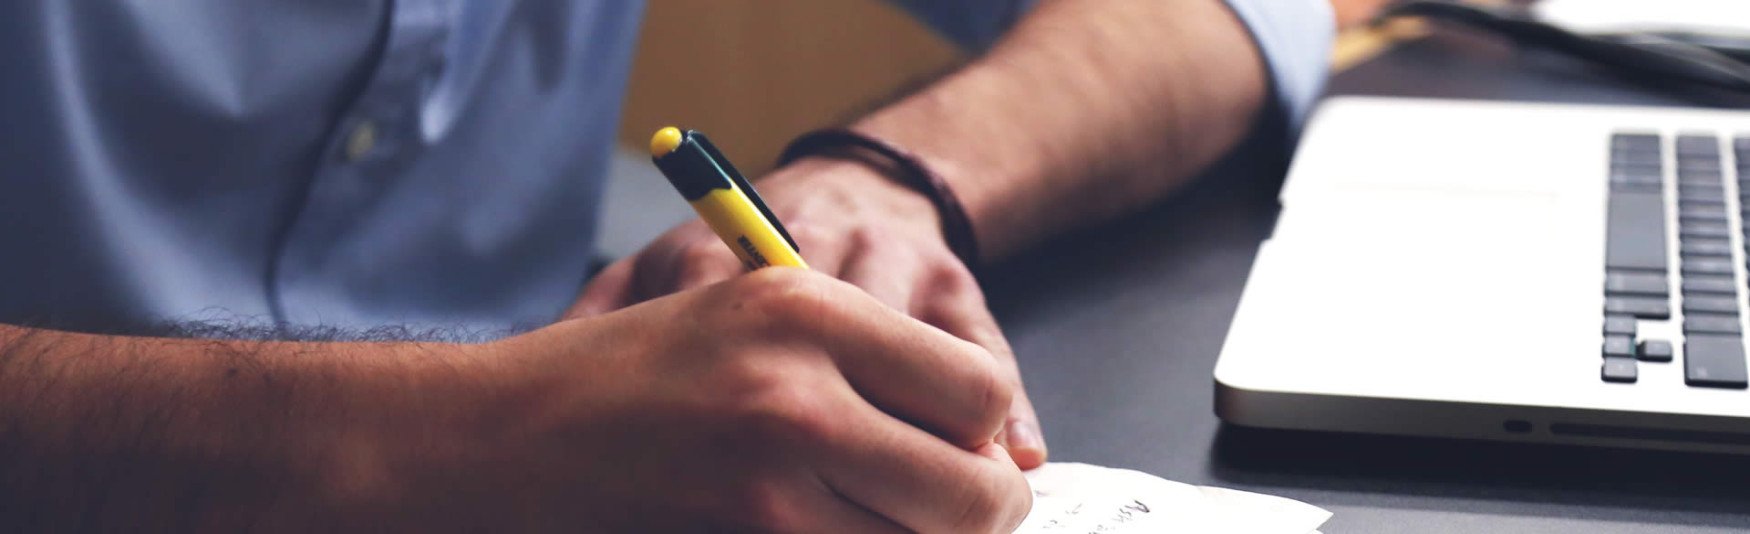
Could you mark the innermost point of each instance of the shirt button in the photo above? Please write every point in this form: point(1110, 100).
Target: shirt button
point(360, 141)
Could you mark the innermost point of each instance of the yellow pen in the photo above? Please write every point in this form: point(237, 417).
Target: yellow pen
point(723, 198)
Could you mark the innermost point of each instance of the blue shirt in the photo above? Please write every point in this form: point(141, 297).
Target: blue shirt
point(351, 163)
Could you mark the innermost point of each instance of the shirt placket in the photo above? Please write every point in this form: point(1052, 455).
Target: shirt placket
point(378, 130)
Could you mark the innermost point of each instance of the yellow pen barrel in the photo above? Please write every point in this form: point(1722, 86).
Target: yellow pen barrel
point(739, 224)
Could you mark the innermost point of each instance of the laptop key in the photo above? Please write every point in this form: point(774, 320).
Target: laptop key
point(1701, 193)
point(1699, 167)
point(1642, 307)
point(1704, 212)
point(1619, 347)
point(1698, 145)
point(1695, 229)
point(1710, 304)
point(1654, 350)
point(1638, 173)
point(1714, 361)
point(1635, 231)
point(1695, 265)
point(1683, 202)
point(1619, 325)
point(1700, 176)
point(1635, 142)
point(1710, 323)
point(1635, 177)
point(1705, 247)
point(1619, 370)
point(1637, 158)
point(1626, 283)
point(1719, 285)
point(1644, 161)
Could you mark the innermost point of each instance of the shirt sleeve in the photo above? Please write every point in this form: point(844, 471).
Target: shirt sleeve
point(972, 24)
point(1295, 39)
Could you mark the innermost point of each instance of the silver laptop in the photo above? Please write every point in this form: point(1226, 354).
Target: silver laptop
point(1525, 272)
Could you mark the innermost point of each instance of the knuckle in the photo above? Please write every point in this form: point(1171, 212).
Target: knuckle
point(994, 393)
point(869, 237)
point(983, 509)
point(884, 243)
point(995, 499)
point(786, 298)
point(780, 407)
point(765, 506)
point(809, 236)
point(751, 381)
point(702, 252)
point(951, 276)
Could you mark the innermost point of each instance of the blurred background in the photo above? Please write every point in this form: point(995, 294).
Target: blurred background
point(756, 73)
point(772, 69)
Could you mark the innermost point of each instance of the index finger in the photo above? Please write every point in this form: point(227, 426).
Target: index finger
point(957, 306)
point(915, 371)
point(918, 481)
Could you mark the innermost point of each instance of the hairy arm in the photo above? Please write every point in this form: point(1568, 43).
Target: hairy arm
point(780, 401)
point(98, 432)
point(1086, 110)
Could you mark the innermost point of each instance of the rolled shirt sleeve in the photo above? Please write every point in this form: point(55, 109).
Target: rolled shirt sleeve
point(1294, 37)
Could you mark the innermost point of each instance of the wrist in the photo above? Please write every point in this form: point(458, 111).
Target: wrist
point(466, 426)
point(820, 189)
point(903, 167)
point(402, 413)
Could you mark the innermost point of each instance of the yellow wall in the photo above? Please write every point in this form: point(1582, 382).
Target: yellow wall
point(754, 73)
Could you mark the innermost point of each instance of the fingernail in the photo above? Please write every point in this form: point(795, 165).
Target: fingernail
point(1025, 435)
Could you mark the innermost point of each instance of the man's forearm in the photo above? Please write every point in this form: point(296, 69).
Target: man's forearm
point(1085, 111)
point(104, 431)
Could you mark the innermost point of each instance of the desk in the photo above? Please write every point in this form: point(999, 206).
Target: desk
point(1118, 330)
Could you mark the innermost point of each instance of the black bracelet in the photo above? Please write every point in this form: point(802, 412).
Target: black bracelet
point(906, 168)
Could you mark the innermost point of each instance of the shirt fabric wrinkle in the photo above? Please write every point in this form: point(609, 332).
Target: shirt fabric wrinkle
point(421, 163)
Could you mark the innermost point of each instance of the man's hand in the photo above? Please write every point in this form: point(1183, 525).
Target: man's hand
point(783, 400)
point(854, 224)
point(780, 401)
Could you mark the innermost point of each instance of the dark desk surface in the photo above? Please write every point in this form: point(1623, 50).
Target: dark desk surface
point(1118, 331)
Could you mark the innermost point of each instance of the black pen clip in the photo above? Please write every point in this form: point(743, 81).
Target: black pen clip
point(742, 183)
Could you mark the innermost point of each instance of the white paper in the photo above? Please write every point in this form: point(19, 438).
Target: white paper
point(1724, 17)
point(1082, 498)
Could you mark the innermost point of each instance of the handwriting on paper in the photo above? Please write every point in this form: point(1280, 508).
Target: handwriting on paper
point(1081, 498)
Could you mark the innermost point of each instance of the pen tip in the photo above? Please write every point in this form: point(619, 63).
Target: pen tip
point(666, 140)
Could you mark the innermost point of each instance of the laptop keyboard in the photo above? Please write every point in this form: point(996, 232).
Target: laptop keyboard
point(1639, 265)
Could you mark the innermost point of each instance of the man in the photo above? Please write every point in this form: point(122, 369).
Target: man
point(312, 196)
